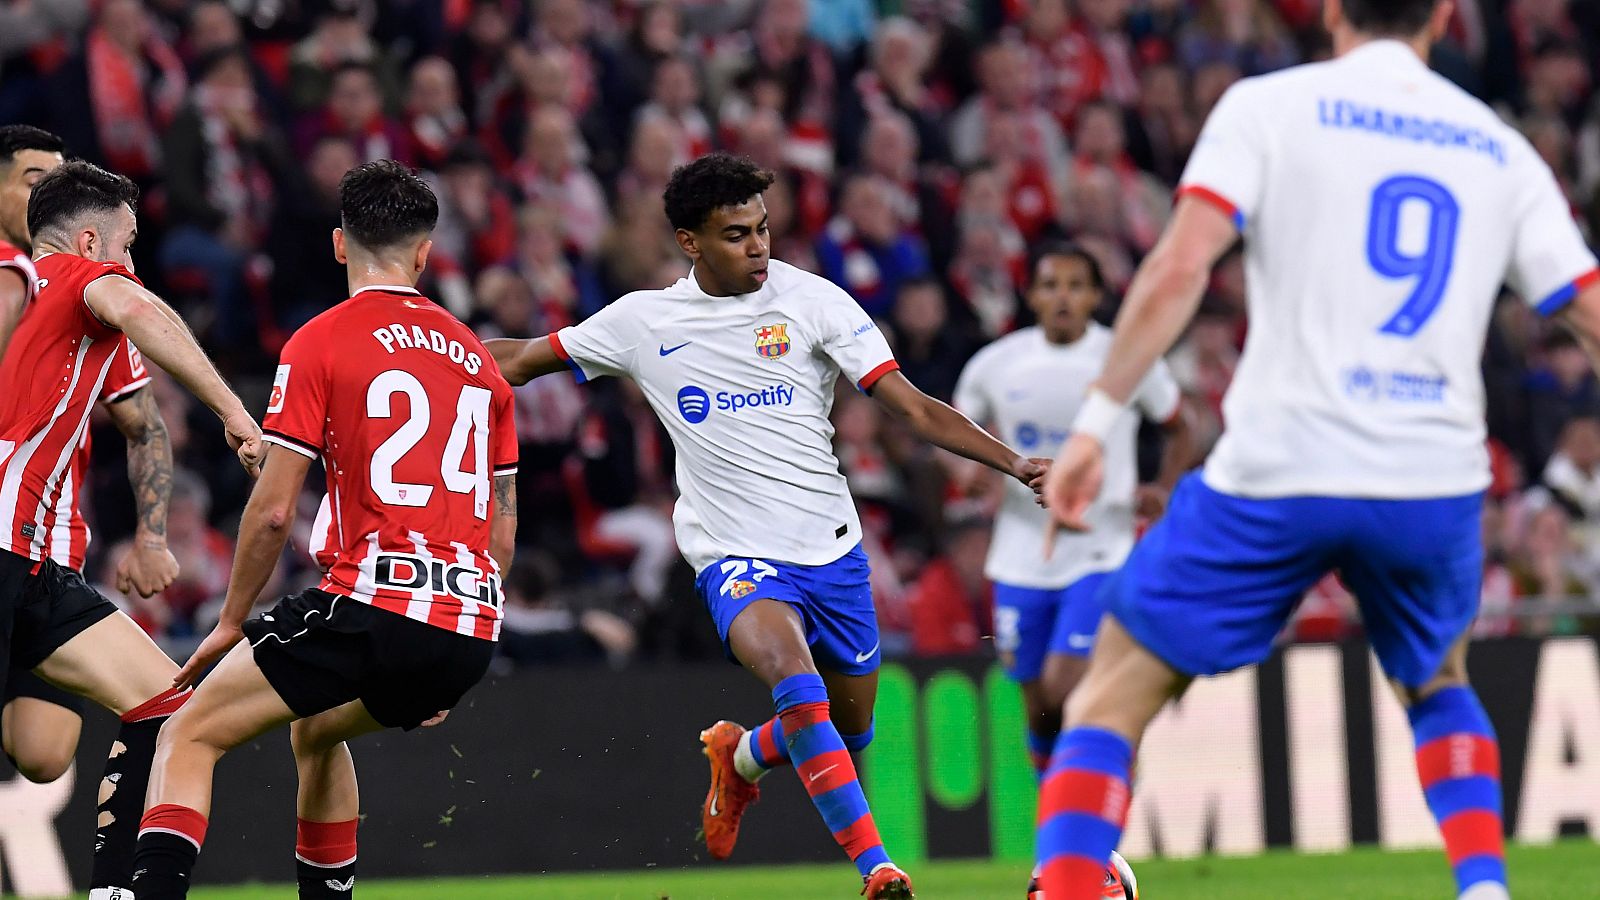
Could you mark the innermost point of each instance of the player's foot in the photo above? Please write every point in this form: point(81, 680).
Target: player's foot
point(1118, 882)
point(887, 882)
point(1034, 891)
point(730, 794)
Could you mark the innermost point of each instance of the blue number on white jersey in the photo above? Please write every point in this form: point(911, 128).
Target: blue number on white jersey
point(1431, 267)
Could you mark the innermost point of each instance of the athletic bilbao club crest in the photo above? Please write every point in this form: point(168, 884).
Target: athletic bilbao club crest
point(741, 588)
point(772, 341)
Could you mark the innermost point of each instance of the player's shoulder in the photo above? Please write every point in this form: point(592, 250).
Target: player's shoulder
point(66, 269)
point(1006, 347)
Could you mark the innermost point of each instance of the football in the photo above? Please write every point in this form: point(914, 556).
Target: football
point(1120, 883)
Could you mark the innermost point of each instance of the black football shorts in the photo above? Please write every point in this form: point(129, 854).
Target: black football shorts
point(320, 650)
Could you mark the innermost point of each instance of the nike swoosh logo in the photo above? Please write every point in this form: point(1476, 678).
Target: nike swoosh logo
point(816, 775)
point(668, 351)
point(716, 791)
point(863, 657)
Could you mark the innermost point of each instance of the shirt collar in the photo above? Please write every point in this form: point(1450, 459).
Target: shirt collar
point(388, 289)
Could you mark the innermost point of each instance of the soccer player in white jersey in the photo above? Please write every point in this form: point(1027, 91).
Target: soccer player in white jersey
point(739, 360)
point(1381, 209)
point(1026, 387)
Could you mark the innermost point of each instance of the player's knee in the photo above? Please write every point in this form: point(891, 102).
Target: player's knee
point(43, 767)
point(309, 741)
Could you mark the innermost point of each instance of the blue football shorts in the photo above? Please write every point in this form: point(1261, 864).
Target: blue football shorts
point(1212, 584)
point(834, 601)
point(1032, 622)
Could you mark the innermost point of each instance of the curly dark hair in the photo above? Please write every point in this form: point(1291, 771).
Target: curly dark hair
point(383, 204)
point(710, 183)
point(73, 190)
point(1067, 250)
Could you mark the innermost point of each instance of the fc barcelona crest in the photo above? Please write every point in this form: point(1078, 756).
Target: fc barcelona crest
point(772, 341)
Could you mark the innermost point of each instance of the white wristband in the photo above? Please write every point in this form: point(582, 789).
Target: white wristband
point(1097, 415)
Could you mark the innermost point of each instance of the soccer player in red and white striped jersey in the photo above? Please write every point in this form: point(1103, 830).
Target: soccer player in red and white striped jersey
point(413, 424)
point(26, 154)
point(88, 306)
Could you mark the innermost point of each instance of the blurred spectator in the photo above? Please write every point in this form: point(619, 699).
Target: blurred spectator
point(308, 279)
point(1024, 180)
point(565, 288)
point(1203, 364)
point(1101, 142)
point(538, 629)
point(476, 224)
point(930, 351)
point(659, 145)
point(675, 98)
point(1247, 34)
point(636, 245)
point(213, 26)
point(626, 474)
point(865, 250)
point(1548, 567)
point(34, 41)
point(223, 163)
point(919, 195)
point(844, 25)
point(339, 42)
point(657, 34)
point(481, 55)
point(1161, 129)
point(1573, 473)
point(1003, 71)
point(567, 25)
point(354, 111)
point(205, 559)
point(986, 275)
point(894, 85)
point(801, 67)
point(133, 84)
point(949, 602)
point(1559, 387)
point(434, 116)
point(549, 173)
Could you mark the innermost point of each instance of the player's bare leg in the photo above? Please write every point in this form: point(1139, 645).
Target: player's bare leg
point(115, 664)
point(234, 704)
point(40, 737)
point(327, 806)
point(1106, 715)
point(1458, 765)
point(768, 638)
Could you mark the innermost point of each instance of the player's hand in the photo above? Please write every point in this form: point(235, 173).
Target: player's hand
point(148, 569)
point(244, 438)
point(1150, 501)
point(1031, 472)
point(436, 719)
point(1073, 483)
point(214, 647)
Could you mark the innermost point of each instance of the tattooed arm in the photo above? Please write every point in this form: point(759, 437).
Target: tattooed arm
point(503, 530)
point(150, 567)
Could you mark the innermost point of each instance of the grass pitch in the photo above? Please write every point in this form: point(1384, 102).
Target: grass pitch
point(1567, 869)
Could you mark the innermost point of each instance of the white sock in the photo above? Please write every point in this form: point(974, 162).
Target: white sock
point(1486, 890)
point(111, 893)
point(744, 759)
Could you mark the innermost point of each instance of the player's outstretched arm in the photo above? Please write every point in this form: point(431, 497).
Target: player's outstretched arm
point(521, 361)
point(161, 335)
point(503, 530)
point(13, 297)
point(939, 423)
point(263, 531)
point(150, 568)
point(1161, 300)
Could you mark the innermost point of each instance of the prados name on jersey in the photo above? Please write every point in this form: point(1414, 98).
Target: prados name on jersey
point(414, 337)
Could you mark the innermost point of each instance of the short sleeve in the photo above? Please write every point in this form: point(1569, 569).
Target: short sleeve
point(297, 410)
point(1550, 263)
point(853, 341)
point(972, 394)
point(1227, 164)
point(503, 431)
point(17, 261)
point(1158, 395)
point(603, 344)
point(126, 375)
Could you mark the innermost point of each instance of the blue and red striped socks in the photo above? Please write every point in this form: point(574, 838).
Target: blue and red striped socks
point(1083, 805)
point(823, 763)
point(1458, 763)
point(764, 748)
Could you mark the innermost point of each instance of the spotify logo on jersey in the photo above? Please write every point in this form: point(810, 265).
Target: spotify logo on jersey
point(694, 404)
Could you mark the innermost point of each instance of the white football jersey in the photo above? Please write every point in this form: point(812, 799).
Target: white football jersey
point(744, 385)
point(1382, 208)
point(1028, 390)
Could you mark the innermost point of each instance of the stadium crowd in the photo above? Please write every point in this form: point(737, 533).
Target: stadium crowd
point(923, 148)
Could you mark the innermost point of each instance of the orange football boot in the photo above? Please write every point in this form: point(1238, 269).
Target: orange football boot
point(730, 794)
point(887, 882)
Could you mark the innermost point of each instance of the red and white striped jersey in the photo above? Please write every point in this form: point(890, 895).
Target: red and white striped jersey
point(411, 418)
point(69, 533)
point(54, 371)
point(13, 258)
